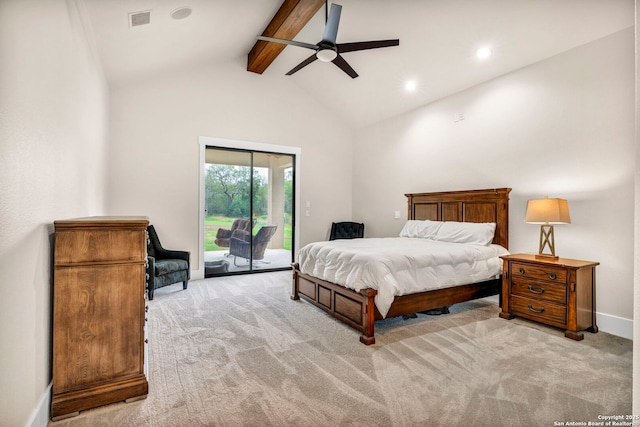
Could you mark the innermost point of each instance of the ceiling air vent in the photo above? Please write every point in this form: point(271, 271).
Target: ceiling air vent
point(139, 18)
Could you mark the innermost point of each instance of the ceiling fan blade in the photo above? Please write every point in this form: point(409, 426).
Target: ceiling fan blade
point(331, 29)
point(352, 47)
point(342, 64)
point(290, 42)
point(303, 64)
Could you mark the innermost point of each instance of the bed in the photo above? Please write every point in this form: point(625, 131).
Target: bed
point(358, 309)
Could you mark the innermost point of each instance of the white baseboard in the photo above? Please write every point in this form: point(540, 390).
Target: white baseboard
point(608, 323)
point(197, 274)
point(615, 325)
point(41, 413)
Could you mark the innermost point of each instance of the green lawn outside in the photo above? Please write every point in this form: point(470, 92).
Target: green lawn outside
point(212, 223)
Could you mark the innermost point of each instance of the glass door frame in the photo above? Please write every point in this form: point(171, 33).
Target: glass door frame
point(211, 142)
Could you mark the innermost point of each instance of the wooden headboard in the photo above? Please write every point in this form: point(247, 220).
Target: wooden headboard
point(465, 206)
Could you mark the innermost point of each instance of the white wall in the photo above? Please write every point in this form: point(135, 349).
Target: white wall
point(636, 304)
point(154, 150)
point(53, 106)
point(53, 133)
point(563, 127)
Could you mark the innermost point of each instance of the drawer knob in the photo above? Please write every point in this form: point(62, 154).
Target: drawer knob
point(552, 276)
point(521, 270)
point(535, 310)
point(536, 291)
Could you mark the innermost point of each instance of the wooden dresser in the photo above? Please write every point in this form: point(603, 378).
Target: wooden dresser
point(560, 293)
point(98, 313)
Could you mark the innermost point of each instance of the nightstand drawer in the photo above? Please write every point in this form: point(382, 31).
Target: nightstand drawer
point(541, 311)
point(540, 272)
point(538, 290)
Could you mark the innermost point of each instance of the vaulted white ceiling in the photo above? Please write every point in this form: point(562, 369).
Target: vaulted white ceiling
point(438, 40)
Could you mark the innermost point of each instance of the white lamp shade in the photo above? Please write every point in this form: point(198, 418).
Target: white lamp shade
point(548, 211)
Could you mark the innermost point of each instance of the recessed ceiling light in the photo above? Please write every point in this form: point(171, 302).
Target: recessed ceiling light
point(483, 52)
point(181, 13)
point(411, 85)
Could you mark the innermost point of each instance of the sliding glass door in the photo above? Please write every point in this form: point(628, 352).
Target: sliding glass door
point(249, 203)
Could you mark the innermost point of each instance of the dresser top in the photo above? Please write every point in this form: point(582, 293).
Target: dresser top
point(560, 262)
point(103, 221)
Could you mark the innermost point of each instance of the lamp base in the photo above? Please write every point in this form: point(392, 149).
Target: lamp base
point(547, 257)
point(547, 240)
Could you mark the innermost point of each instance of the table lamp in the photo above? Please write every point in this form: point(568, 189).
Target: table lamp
point(547, 212)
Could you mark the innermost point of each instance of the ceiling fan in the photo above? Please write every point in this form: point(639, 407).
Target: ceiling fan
point(327, 50)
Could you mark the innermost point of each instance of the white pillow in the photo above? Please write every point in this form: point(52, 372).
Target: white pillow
point(420, 229)
point(466, 232)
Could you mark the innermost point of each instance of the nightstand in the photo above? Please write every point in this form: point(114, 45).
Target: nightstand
point(560, 293)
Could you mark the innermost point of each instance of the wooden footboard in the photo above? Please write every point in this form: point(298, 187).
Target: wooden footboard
point(429, 300)
point(356, 309)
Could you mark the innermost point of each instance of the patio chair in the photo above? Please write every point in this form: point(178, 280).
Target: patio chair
point(241, 228)
point(243, 248)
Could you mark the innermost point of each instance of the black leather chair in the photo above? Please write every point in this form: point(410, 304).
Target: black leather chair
point(242, 247)
point(346, 230)
point(165, 267)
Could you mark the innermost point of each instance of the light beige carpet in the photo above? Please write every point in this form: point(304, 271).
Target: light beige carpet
point(237, 351)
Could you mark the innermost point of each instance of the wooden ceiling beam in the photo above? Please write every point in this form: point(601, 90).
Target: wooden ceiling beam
point(292, 16)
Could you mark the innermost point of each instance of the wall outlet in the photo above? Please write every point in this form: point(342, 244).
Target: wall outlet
point(396, 214)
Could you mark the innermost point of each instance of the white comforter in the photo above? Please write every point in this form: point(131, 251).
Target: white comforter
point(399, 265)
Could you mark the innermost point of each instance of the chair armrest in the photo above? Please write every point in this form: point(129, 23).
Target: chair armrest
point(238, 247)
point(223, 233)
point(171, 254)
point(236, 242)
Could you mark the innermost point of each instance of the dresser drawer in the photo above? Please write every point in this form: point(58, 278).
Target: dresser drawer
point(539, 272)
point(540, 311)
point(539, 290)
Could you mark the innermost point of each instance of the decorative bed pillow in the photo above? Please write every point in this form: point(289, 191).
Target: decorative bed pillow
point(421, 229)
point(466, 232)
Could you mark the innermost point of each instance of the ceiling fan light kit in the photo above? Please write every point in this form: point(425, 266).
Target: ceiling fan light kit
point(326, 55)
point(327, 50)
